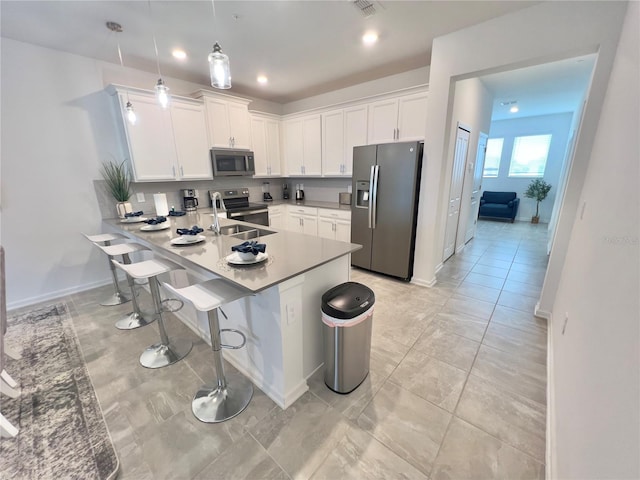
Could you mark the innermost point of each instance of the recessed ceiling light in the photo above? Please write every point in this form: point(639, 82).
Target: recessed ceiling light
point(262, 79)
point(179, 54)
point(370, 38)
point(514, 109)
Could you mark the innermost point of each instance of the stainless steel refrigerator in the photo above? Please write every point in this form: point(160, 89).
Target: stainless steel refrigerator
point(384, 209)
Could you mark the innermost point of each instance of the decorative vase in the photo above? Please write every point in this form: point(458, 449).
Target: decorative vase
point(123, 208)
point(535, 219)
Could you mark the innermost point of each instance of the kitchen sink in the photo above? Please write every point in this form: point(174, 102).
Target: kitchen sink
point(244, 232)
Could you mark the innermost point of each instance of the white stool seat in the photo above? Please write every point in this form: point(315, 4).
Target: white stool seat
point(209, 295)
point(121, 248)
point(104, 237)
point(148, 268)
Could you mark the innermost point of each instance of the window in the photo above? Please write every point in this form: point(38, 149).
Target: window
point(529, 156)
point(492, 157)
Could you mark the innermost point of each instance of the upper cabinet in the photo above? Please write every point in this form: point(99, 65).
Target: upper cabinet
point(303, 146)
point(227, 120)
point(165, 144)
point(341, 131)
point(398, 119)
point(265, 138)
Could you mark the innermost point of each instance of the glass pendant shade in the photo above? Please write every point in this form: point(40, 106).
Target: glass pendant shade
point(219, 68)
point(131, 114)
point(162, 94)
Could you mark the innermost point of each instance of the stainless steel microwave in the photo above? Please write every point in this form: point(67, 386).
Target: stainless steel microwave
point(229, 162)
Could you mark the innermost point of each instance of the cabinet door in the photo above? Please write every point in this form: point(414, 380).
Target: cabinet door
point(326, 228)
point(293, 146)
point(310, 225)
point(274, 155)
point(355, 134)
point(238, 116)
point(412, 117)
point(259, 140)
point(343, 230)
point(333, 142)
point(218, 122)
point(190, 134)
point(294, 223)
point(276, 220)
point(312, 149)
point(152, 149)
point(383, 121)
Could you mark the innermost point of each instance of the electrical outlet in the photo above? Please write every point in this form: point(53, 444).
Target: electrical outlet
point(140, 197)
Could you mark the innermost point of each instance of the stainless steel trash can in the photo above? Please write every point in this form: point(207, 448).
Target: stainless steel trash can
point(347, 315)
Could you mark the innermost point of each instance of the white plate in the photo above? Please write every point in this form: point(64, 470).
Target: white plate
point(157, 226)
point(133, 219)
point(234, 259)
point(188, 239)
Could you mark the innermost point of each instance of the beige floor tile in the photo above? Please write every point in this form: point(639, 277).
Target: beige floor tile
point(359, 456)
point(512, 372)
point(491, 261)
point(514, 286)
point(479, 292)
point(408, 425)
point(514, 419)
point(492, 271)
point(486, 280)
point(461, 324)
point(431, 379)
point(518, 319)
point(526, 277)
point(530, 345)
point(448, 347)
point(518, 301)
point(470, 453)
point(469, 306)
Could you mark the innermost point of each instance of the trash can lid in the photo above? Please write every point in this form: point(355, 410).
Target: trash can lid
point(347, 300)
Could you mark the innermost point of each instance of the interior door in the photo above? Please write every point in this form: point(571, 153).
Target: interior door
point(472, 221)
point(455, 192)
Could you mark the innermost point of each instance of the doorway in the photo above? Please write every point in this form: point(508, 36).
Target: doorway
point(455, 192)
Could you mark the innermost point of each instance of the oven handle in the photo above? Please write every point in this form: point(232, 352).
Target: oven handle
point(245, 213)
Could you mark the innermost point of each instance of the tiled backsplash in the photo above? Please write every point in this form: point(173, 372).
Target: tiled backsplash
point(318, 189)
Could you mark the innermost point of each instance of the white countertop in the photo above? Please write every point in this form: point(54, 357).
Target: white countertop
point(290, 253)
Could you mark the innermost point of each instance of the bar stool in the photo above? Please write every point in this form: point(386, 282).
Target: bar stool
point(229, 396)
point(137, 318)
point(105, 239)
point(167, 352)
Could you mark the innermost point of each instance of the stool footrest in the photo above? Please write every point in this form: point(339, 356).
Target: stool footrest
point(234, 347)
point(172, 305)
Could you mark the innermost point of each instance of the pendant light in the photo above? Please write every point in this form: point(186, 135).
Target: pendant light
point(130, 113)
point(219, 69)
point(162, 91)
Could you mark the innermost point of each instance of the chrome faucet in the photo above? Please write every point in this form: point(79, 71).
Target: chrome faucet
point(216, 222)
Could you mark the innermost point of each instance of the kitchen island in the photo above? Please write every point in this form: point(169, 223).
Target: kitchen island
point(281, 314)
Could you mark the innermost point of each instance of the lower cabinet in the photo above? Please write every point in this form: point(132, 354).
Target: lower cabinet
point(277, 216)
point(334, 224)
point(303, 220)
point(321, 222)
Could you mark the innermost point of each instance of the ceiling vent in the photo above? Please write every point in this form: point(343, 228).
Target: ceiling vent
point(365, 7)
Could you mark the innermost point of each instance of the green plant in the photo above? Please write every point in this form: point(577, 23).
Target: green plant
point(538, 190)
point(118, 180)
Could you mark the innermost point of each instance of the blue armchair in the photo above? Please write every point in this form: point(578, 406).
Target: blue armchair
point(499, 205)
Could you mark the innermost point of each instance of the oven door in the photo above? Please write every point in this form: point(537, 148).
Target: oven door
point(259, 217)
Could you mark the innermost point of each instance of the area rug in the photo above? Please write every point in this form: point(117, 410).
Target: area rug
point(62, 431)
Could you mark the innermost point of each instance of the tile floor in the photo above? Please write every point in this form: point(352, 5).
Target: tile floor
point(457, 387)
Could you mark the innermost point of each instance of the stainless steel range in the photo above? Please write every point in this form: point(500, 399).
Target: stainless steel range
point(236, 202)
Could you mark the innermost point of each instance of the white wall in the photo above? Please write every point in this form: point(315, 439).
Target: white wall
point(558, 126)
point(542, 33)
point(595, 379)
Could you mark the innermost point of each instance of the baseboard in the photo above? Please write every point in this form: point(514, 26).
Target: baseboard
point(423, 283)
point(551, 467)
point(25, 302)
point(542, 313)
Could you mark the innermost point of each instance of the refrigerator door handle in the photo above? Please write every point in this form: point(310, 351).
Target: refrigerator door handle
point(370, 207)
point(376, 171)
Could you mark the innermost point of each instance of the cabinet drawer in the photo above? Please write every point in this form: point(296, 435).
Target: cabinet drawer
point(275, 209)
point(303, 210)
point(330, 213)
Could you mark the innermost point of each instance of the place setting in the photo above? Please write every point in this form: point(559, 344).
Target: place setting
point(156, 224)
point(133, 217)
point(247, 253)
point(188, 236)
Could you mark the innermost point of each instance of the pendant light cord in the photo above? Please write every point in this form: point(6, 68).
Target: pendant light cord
point(153, 33)
point(122, 65)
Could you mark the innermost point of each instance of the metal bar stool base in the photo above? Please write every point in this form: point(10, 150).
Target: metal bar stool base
point(216, 404)
point(161, 355)
point(115, 299)
point(134, 320)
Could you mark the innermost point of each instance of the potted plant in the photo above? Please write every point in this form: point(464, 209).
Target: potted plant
point(119, 184)
point(538, 189)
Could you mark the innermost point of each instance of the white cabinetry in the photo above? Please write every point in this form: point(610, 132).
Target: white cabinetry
point(334, 224)
point(277, 216)
point(303, 146)
point(165, 144)
point(341, 131)
point(227, 121)
point(398, 119)
point(265, 138)
point(303, 220)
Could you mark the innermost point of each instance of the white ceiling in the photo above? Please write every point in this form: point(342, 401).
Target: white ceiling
point(304, 47)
